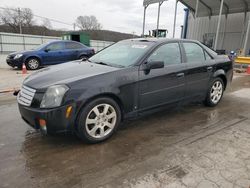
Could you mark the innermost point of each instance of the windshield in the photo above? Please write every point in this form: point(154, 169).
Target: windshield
point(122, 54)
point(41, 46)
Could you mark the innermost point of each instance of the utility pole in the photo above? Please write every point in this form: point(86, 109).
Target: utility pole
point(74, 26)
point(133, 33)
point(20, 23)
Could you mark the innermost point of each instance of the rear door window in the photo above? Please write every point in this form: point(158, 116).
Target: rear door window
point(194, 52)
point(73, 45)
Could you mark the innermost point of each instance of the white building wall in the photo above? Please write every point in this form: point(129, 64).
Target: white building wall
point(230, 36)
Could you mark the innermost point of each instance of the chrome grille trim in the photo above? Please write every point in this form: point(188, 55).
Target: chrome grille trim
point(26, 95)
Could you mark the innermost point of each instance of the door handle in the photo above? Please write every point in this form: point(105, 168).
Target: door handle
point(180, 75)
point(209, 68)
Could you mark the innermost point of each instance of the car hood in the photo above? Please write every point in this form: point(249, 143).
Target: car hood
point(22, 52)
point(65, 74)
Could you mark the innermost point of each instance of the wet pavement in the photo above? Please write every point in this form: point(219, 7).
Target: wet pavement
point(192, 146)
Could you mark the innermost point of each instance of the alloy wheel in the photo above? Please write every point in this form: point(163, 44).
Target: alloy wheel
point(101, 120)
point(33, 64)
point(216, 92)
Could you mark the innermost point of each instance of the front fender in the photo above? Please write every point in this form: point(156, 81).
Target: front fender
point(90, 93)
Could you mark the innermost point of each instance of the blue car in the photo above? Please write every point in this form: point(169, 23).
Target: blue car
point(49, 54)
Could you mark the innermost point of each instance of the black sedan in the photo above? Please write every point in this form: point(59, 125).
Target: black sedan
point(125, 80)
point(50, 53)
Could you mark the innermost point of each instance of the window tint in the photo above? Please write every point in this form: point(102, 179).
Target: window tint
point(194, 52)
point(208, 57)
point(56, 46)
point(73, 45)
point(169, 53)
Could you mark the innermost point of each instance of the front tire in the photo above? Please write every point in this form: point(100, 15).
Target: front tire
point(83, 57)
point(215, 92)
point(98, 120)
point(32, 64)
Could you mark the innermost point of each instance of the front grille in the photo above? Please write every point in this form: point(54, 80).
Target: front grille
point(25, 96)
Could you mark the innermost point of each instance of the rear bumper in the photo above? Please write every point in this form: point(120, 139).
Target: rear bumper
point(55, 118)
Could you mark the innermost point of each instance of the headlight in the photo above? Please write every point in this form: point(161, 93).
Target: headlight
point(18, 56)
point(53, 96)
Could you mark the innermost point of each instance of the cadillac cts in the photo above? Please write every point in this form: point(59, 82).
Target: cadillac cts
point(125, 80)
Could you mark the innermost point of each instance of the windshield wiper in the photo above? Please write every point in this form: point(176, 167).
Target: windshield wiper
point(102, 63)
point(109, 64)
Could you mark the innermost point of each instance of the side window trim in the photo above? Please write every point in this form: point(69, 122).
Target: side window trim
point(205, 52)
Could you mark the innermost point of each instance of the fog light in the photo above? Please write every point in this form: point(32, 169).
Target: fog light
point(43, 127)
point(68, 112)
point(42, 122)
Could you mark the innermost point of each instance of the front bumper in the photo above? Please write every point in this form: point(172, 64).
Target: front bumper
point(14, 62)
point(55, 118)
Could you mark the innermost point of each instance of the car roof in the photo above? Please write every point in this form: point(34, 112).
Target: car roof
point(54, 41)
point(164, 40)
point(160, 40)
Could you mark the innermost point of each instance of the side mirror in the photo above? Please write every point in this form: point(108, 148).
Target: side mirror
point(153, 65)
point(47, 50)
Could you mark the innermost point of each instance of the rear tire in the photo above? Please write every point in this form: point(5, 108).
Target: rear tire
point(215, 92)
point(98, 120)
point(32, 63)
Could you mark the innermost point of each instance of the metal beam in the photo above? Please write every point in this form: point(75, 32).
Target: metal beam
point(218, 26)
point(158, 17)
point(243, 30)
point(224, 31)
point(189, 7)
point(144, 19)
point(246, 5)
point(175, 13)
point(208, 7)
point(226, 6)
point(193, 10)
point(196, 8)
point(247, 36)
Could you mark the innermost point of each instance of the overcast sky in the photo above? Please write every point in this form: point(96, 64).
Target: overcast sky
point(118, 15)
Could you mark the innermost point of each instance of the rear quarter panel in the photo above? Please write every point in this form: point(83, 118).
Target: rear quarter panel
point(223, 66)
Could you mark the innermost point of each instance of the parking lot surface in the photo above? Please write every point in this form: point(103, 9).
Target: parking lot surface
point(11, 78)
point(191, 146)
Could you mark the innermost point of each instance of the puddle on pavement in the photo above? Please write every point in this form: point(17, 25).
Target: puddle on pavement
point(242, 93)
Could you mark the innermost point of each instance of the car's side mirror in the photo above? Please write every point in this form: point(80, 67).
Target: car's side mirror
point(47, 50)
point(153, 65)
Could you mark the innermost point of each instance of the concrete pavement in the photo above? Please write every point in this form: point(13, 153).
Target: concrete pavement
point(3, 64)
